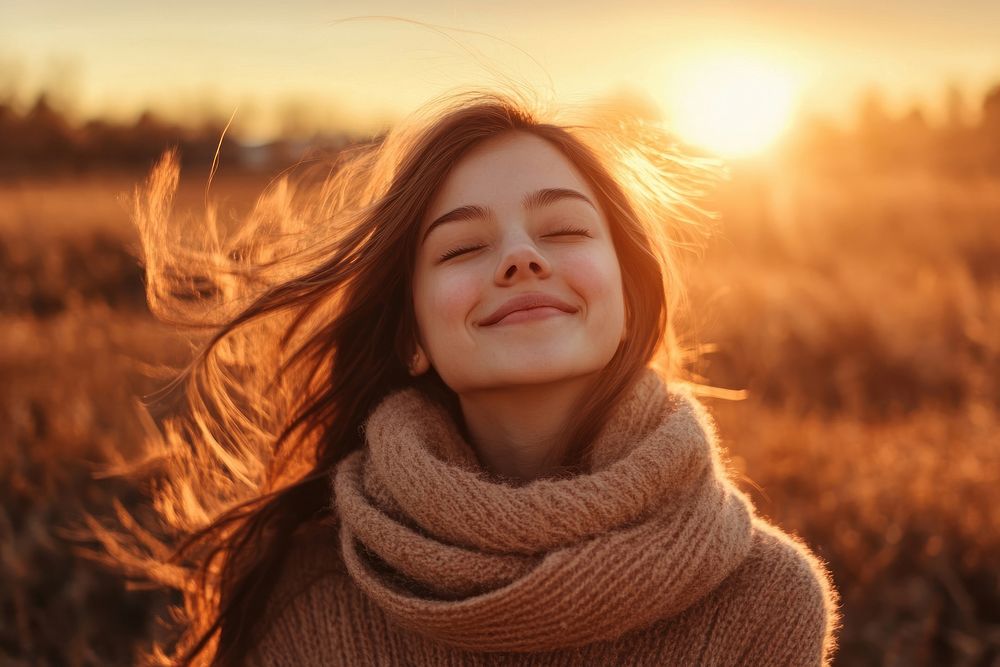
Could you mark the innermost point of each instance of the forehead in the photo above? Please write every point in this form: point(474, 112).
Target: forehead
point(500, 170)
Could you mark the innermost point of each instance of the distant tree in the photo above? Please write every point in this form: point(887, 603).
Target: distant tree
point(872, 115)
point(875, 129)
point(956, 113)
point(991, 111)
point(955, 143)
point(912, 138)
point(61, 80)
point(989, 144)
point(296, 119)
point(44, 134)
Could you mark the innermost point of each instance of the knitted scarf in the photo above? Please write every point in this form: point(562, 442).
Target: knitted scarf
point(452, 553)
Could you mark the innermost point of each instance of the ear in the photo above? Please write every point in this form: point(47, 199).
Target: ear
point(419, 363)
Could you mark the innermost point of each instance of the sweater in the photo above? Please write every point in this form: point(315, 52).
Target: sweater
point(652, 556)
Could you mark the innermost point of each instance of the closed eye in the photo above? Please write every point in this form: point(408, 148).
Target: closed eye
point(565, 231)
point(570, 231)
point(455, 252)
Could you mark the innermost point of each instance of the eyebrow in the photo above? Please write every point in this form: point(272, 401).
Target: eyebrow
point(530, 201)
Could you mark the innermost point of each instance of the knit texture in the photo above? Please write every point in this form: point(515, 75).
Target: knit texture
point(650, 557)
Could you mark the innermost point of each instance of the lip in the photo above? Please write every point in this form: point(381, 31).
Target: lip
point(525, 301)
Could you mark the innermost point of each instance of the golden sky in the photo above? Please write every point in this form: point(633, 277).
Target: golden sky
point(282, 63)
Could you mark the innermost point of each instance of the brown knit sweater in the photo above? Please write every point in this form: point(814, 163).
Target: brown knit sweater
point(652, 557)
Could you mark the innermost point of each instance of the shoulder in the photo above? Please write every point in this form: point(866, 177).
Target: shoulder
point(313, 556)
point(785, 568)
point(308, 600)
point(791, 595)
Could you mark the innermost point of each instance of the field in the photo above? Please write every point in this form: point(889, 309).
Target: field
point(860, 311)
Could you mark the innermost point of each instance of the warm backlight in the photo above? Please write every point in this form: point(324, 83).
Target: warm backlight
point(734, 106)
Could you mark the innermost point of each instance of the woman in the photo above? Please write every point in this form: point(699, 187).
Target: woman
point(445, 426)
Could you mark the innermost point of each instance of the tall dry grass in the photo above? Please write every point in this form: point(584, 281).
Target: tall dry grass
point(861, 314)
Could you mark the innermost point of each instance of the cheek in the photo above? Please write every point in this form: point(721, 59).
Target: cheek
point(597, 277)
point(445, 302)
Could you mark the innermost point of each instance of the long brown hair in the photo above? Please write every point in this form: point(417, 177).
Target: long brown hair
point(306, 319)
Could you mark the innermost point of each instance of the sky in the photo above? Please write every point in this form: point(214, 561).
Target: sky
point(281, 65)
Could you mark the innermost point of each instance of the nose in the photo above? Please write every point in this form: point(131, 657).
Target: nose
point(520, 260)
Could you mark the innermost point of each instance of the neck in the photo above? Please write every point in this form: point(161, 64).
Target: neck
point(520, 432)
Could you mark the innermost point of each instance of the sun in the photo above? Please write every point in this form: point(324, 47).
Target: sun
point(734, 106)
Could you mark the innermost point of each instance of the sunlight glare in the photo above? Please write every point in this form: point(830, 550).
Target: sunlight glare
point(734, 106)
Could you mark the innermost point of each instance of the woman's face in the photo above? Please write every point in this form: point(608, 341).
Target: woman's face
point(515, 218)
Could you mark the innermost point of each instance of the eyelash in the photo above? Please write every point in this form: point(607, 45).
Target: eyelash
point(464, 249)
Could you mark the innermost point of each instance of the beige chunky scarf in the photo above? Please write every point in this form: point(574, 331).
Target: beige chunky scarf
point(452, 553)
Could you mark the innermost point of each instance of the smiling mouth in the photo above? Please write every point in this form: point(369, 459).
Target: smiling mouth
point(530, 315)
point(524, 302)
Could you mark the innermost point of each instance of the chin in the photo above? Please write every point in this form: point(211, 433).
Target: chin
point(542, 371)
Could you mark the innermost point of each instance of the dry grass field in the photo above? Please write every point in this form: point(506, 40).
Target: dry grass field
point(861, 313)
